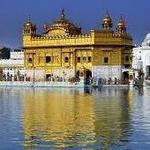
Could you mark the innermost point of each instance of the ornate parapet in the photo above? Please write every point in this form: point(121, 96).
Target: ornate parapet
point(60, 36)
point(97, 37)
point(109, 37)
point(59, 40)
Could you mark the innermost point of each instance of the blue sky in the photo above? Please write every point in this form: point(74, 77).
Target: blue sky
point(87, 13)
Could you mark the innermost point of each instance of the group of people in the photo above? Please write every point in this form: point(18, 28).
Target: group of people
point(10, 77)
point(109, 81)
point(91, 80)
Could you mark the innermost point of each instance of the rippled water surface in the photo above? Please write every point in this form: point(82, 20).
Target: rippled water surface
point(74, 119)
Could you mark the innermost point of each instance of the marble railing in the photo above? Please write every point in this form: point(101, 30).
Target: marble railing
point(40, 84)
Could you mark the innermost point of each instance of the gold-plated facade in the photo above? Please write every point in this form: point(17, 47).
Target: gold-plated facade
point(63, 47)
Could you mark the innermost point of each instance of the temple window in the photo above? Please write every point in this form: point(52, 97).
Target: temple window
point(30, 60)
point(78, 59)
point(89, 59)
point(84, 59)
point(127, 58)
point(105, 60)
point(48, 59)
point(66, 60)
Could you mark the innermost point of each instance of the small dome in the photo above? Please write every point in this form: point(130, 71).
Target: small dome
point(148, 36)
point(29, 24)
point(146, 41)
point(107, 19)
point(121, 26)
point(29, 27)
point(107, 22)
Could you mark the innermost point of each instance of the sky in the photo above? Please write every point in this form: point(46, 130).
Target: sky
point(86, 13)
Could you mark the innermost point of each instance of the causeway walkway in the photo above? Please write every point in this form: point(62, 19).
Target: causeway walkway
point(51, 84)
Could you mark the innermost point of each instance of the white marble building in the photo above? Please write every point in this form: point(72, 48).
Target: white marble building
point(14, 65)
point(141, 57)
point(107, 72)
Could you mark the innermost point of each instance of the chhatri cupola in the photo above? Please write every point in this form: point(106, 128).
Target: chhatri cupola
point(107, 22)
point(29, 28)
point(121, 26)
point(62, 26)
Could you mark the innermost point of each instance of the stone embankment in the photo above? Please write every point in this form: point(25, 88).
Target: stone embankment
point(52, 84)
point(41, 84)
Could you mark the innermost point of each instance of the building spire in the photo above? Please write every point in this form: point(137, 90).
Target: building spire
point(29, 18)
point(62, 14)
point(107, 13)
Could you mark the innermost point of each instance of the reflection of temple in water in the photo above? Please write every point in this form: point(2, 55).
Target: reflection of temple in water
point(64, 118)
point(58, 117)
point(112, 124)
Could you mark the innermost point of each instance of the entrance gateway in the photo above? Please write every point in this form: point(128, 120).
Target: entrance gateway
point(127, 75)
point(86, 73)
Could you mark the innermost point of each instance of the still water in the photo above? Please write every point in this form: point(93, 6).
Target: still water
point(74, 119)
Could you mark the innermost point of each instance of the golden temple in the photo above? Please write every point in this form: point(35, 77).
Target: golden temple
point(63, 50)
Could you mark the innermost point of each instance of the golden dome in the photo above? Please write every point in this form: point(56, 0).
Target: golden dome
point(107, 19)
point(29, 27)
point(29, 24)
point(121, 26)
point(63, 24)
point(107, 22)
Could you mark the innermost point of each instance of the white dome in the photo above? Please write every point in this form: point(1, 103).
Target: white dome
point(148, 35)
point(146, 41)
